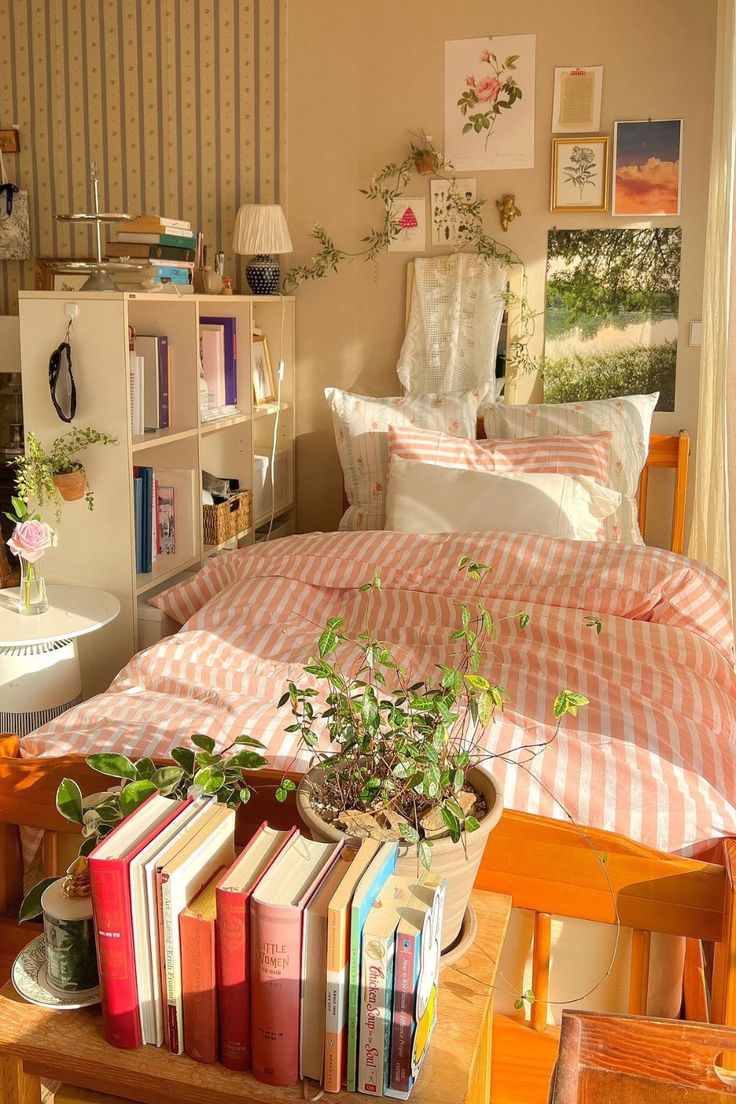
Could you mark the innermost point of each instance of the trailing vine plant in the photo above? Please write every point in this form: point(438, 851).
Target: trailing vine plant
point(387, 185)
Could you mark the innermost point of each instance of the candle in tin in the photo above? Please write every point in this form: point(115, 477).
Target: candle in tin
point(71, 958)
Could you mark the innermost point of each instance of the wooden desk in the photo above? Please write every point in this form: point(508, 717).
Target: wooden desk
point(69, 1047)
point(637, 1060)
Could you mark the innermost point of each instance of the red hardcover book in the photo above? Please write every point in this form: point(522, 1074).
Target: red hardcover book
point(199, 974)
point(276, 910)
point(109, 868)
point(233, 942)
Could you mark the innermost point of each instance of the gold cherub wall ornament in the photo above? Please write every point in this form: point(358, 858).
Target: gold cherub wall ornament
point(507, 210)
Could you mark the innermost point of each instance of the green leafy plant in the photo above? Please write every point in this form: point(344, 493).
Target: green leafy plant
point(400, 749)
point(387, 185)
point(37, 468)
point(198, 770)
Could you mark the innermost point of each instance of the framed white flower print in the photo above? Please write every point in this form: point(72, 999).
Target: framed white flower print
point(579, 179)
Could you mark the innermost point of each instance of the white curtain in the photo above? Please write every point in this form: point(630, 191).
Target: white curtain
point(713, 530)
point(454, 321)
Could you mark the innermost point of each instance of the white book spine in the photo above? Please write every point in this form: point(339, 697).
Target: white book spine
point(376, 989)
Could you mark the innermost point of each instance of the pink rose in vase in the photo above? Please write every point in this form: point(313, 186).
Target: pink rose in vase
point(488, 89)
point(31, 539)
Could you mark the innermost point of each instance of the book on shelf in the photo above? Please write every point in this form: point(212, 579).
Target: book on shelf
point(337, 967)
point(378, 940)
point(218, 413)
point(143, 514)
point(133, 279)
point(371, 884)
point(199, 973)
point(142, 250)
point(416, 978)
point(154, 349)
point(109, 868)
point(229, 332)
point(179, 878)
point(314, 966)
point(166, 520)
point(212, 343)
point(150, 224)
point(138, 521)
point(277, 907)
point(137, 366)
point(233, 941)
point(169, 239)
point(144, 903)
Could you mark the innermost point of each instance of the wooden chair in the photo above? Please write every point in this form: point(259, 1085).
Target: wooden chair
point(628, 1059)
point(668, 452)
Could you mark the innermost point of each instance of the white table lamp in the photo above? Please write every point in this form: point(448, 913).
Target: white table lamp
point(260, 232)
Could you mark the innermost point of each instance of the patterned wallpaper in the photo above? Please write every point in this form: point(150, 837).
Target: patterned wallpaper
point(180, 103)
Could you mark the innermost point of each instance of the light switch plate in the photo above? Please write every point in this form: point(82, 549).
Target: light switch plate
point(696, 333)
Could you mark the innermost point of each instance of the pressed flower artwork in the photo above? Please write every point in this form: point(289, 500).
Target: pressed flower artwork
point(489, 102)
point(579, 174)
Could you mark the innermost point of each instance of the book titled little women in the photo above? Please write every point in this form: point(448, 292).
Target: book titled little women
point(277, 907)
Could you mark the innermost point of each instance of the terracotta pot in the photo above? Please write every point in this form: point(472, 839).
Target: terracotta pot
point(71, 485)
point(449, 859)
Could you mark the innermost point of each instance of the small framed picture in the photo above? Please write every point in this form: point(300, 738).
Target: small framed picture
point(264, 390)
point(579, 179)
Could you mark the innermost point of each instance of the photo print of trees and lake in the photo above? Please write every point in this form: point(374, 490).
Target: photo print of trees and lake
point(611, 314)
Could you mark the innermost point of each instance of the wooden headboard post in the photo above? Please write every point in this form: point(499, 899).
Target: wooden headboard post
point(668, 452)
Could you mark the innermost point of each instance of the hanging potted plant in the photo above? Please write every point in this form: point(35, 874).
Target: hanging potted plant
point(406, 758)
point(59, 473)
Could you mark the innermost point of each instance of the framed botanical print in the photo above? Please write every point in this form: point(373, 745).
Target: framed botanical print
point(579, 179)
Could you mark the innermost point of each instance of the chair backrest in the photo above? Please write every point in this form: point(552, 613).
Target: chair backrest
point(668, 452)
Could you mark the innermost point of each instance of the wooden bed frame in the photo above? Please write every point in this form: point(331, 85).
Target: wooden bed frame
point(544, 865)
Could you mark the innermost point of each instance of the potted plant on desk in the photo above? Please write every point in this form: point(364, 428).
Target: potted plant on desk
point(59, 473)
point(407, 758)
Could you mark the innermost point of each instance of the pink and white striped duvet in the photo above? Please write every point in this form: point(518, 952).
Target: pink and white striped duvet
point(653, 756)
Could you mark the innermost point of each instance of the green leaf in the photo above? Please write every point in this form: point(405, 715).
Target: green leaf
point(145, 768)
point(118, 766)
point(408, 832)
point(87, 846)
point(519, 1002)
point(244, 795)
point(451, 823)
point(185, 758)
point(31, 904)
point(250, 741)
point(248, 760)
point(166, 779)
point(425, 853)
point(289, 784)
point(281, 794)
point(327, 643)
point(472, 824)
point(209, 779)
point(69, 800)
point(205, 742)
point(134, 794)
point(568, 701)
point(524, 620)
point(283, 699)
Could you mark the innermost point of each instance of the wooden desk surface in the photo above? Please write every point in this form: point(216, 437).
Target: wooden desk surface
point(69, 1047)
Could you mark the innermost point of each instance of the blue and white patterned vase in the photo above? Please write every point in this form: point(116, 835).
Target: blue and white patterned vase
point(263, 274)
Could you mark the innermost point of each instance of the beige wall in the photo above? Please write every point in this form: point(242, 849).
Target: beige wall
point(363, 73)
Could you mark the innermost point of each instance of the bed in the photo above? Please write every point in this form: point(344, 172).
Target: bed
point(659, 731)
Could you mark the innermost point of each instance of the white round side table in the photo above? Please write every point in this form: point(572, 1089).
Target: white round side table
point(39, 662)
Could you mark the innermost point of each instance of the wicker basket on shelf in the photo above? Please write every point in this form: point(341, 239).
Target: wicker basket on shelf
point(226, 520)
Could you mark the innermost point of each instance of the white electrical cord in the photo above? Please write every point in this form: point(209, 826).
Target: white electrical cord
point(272, 467)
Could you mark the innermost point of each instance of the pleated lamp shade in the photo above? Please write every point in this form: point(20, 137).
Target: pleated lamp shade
point(261, 228)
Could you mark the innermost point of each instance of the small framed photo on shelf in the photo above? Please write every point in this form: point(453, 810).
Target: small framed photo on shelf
point(264, 390)
point(579, 178)
point(61, 273)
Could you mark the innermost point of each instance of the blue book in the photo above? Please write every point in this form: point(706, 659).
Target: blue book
point(138, 516)
point(371, 884)
point(144, 476)
point(231, 355)
point(176, 275)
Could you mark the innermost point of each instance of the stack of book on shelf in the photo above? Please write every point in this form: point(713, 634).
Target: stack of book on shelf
point(295, 959)
point(219, 360)
point(165, 248)
point(150, 383)
point(161, 499)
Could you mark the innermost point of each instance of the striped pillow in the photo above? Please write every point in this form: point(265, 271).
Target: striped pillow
point(585, 455)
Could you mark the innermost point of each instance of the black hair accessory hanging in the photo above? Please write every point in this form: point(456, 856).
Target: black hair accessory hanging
point(61, 379)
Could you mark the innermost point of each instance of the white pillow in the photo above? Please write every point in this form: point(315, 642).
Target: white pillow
point(629, 421)
point(428, 498)
point(361, 427)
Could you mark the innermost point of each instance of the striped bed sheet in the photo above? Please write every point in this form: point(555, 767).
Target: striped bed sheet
point(653, 756)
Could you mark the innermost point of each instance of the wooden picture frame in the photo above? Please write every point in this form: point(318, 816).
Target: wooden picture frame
point(264, 389)
point(579, 176)
point(51, 273)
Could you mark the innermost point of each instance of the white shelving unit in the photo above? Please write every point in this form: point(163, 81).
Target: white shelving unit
point(98, 548)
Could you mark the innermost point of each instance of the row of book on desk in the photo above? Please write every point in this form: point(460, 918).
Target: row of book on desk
point(294, 959)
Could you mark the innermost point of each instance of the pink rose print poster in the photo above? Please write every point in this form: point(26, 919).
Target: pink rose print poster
point(489, 102)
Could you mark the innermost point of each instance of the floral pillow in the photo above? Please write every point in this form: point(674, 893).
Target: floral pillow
point(628, 419)
point(361, 432)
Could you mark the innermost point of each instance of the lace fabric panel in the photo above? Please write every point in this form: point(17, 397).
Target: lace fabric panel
point(454, 323)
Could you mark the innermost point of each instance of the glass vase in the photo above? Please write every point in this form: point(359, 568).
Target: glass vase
point(32, 598)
